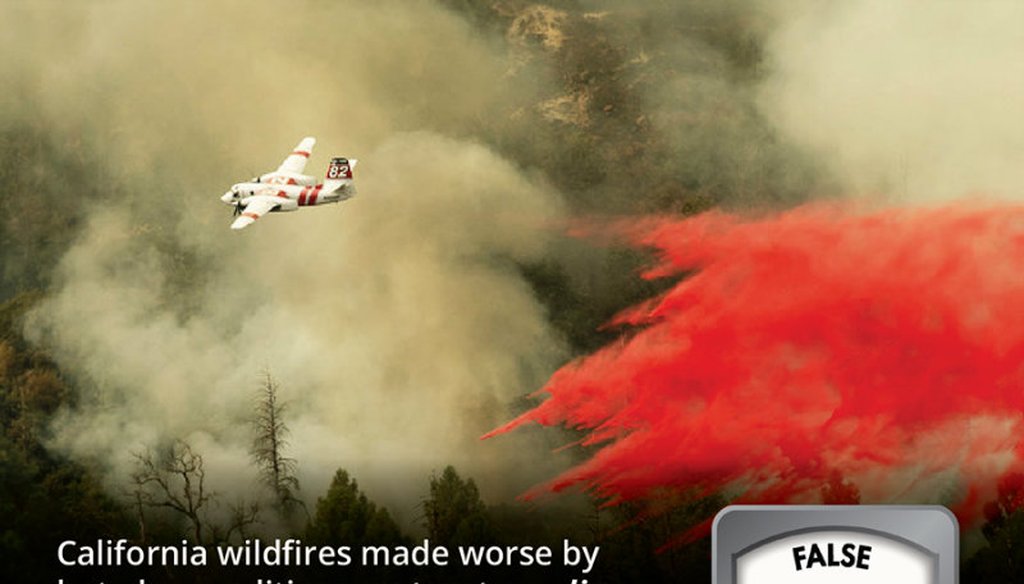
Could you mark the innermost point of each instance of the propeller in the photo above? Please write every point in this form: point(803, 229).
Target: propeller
point(234, 198)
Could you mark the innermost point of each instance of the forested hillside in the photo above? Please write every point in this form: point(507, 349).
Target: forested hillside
point(328, 378)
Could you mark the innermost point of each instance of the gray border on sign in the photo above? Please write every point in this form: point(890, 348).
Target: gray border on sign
point(737, 529)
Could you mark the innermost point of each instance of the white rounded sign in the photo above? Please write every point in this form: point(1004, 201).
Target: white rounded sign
point(853, 544)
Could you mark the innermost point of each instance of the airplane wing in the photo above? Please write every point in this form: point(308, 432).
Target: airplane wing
point(258, 207)
point(296, 161)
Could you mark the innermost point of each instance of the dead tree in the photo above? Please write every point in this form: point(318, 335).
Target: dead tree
point(174, 479)
point(242, 515)
point(277, 471)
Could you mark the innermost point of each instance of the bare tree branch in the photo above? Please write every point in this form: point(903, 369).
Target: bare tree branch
point(277, 471)
point(174, 479)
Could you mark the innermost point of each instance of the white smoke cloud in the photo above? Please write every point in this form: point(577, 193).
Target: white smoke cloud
point(396, 323)
point(922, 101)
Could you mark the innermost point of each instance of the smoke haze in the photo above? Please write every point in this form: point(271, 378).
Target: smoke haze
point(917, 101)
point(400, 324)
point(396, 324)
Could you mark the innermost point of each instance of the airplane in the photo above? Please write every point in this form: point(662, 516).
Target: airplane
point(287, 189)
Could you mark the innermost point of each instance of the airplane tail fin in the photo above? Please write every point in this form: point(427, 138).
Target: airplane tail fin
point(339, 175)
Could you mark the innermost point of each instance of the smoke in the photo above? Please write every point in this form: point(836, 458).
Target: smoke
point(400, 325)
point(696, 69)
point(662, 112)
point(397, 324)
point(916, 101)
point(401, 311)
point(823, 342)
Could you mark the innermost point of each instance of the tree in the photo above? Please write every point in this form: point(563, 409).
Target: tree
point(344, 515)
point(277, 471)
point(1003, 559)
point(174, 479)
point(453, 513)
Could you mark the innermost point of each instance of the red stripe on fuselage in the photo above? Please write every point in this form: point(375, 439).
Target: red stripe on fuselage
point(316, 193)
point(302, 196)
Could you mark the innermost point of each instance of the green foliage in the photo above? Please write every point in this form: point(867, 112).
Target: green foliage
point(1003, 559)
point(43, 501)
point(46, 181)
point(579, 305)
point(345, 516)
point(662, 127)
point(44, 498)
point(454, 513)
point(646, 539)
point(18, 497)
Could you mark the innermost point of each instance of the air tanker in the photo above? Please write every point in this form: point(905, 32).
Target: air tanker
point(288, 189)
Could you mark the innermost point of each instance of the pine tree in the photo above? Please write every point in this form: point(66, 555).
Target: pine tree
point(454, 513)
point(344, 515)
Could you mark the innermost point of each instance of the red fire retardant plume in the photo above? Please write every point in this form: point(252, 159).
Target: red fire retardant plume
point(886, 348)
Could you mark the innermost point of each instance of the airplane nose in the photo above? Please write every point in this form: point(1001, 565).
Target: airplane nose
point(228, 197)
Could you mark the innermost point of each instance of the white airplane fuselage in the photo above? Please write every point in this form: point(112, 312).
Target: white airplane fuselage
point(288, 189)
point(291, 196)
